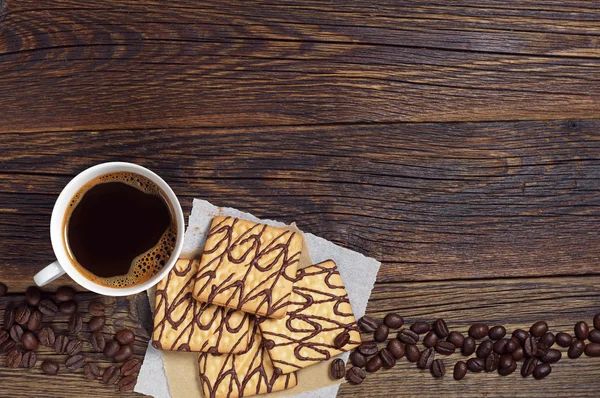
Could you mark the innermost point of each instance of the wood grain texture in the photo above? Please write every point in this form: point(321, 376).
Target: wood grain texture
point(130, 64)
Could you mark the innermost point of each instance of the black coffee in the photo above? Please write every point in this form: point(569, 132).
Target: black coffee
point(120, 230)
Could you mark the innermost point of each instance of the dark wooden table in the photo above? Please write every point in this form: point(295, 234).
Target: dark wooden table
point(458, 142)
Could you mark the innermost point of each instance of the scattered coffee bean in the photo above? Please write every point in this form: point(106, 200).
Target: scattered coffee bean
point(468, 347)
point(518, 354)
point(98, 342)
point(111, 374)
point(337, 370)
point(393, 321)
point(340, 340)
point(96, 309)
point(60, 344)
point(426, 358)
point(74, 347)
point(112, 347)
point(76, 323)
point(597, 321)
point(541, 349)
point(29, 360)
point(460, 370)
point(456, 338)
point(581, 330)
point(381, 333)
point(592, 350)
point(491, 362)
point(367, 324)
point(128, 383)
point(47, 307)
point(512, 345)
point(374, 364)
point(22, 314)
point(552, 356)
point(412, 353)
point(47, 337)
point(500, 346)
point(542, 370)
point(478, 330)
point(16, 333)
point(7, 346)
point(420, 327)
point(576, 349)
point(475, 365)
point(96, 323)
point(387, 358)
point(505, 361)
point(3, 289)
point(564, 339)
point(430, 339)
point(530, 346)
point(124, 353)
point(68, 307)
point(396, 348)
point(4, 336)
point(548, 339)
point(521, 335)
point(367, 348)
point(126, 336)
point(9, 318)
point(30, 342)
point(133, 366)
point(438, 369)
point(358, 359)
point(441, 328)
point(485, 348)
point(14, 358)
point(497, 332)
point(538, 329)
point(445, 348)
point(505, 371)
point(408, 336)
point(594, 336)
point(35, 321)
point(91, 371)
point(75, 362)
point(50, 367)
point(356, 375)
point(528, 366)
point(33, 296)
point(65, 293)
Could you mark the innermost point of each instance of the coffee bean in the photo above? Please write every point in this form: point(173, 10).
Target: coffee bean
point(564, 339)
point(75, 323)
point(33, 296)
point(65, 293)
point(430, 339)
point(337, 370)
point(576, 349)
point(367, 324)
point(528, 366)
point(412, 353)
point(509, 370)
point(16, 333)
point(521, 335)
point(50, 367)
point(420, 327)
point(445, 348)
point(96, 309)
point(460, 370)
point(456, 338)
point(542, 349)
point(491, 362)
point(426, 358)
point(91, 371)
point(98, 342)
point(14, 358)
point(358, 359)
point(530, 346)
point(478, 331)
point(597, 321)
point(47, 307)
point(340, 340)
point(552, 356)
point(128, 383)
point(30, 342)
point(4, 336)
point(396, 348)
point(3, 289)
point(437, 368)
point(468, 347)
point(497, 332)
point(505, 361)
point(374, 364)
point(485, 348)
point(500, 346)
point(9, 318)
point(7, 345)
point(355, 375)
point(594, 336)
point(60, 344)
point(581, 330)
point(512, 345)
point(518, 354)
point(112, 347)
point(387, 358)
point(408, 336)
point(592, 350)
point(542, 370)
point(475, 365)
point(548, 339)
point(126, 336)
point(47, 337)
point(35, 321)
point(75, 362)
point(538, 329)
point(133, 366)
point(74, 347)
point(22, 314)
point(124, 353)
point(111, 374)
point(440, 328)
point(393, 321)
point(381, 333)
point(29, 360)
point(367, 348)
point(96, 323)
point(68, 307)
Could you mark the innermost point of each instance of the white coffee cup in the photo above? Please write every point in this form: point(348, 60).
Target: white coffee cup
point(64, 265)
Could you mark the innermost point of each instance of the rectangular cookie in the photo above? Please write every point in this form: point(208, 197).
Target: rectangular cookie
point(181, 323)
point(242, 375)
point(319, 310)
point(248, 266)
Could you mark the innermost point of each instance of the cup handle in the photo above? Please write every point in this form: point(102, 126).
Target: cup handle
point(49, 274)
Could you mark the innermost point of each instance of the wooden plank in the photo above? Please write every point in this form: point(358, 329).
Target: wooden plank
point(431, 201)
point(122, 64)
point(514, 303)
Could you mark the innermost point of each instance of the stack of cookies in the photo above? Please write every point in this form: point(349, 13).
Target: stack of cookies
point(254, 318)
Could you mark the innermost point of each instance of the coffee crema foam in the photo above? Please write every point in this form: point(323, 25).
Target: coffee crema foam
point(147, 264)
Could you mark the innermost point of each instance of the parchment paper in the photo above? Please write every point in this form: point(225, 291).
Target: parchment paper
point(181, 369)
